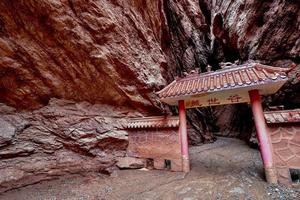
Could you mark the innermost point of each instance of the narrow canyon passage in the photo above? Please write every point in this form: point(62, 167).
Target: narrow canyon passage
point(226, 169)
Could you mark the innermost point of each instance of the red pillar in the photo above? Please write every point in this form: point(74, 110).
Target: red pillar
point(183, 137)
point(262, 135)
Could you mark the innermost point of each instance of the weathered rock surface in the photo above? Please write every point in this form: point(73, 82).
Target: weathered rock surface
point(130, 163)
point(7, 132)
point(62, 137)
point(262, 30)
point(97, 51)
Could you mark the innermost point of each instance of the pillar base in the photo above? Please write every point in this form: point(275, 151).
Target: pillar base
point(185, 164)
point(271, 175)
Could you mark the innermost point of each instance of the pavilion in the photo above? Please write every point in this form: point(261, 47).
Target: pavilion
point(230, 85)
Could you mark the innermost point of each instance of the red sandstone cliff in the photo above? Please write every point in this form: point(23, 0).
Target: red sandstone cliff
point(105, 52)
point(101, 61)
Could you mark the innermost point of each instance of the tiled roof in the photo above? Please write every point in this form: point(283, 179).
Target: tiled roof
point(282, 116)
point(153, 122)
point(248, 75)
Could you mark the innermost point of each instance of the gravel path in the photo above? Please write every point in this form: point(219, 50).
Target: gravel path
point(226, 169)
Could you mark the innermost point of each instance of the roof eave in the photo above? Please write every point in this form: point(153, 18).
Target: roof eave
point(167, 87)
point(173, 101)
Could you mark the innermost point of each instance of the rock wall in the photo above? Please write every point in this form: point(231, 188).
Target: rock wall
point(62, 137)
point(97, 51)
point(243, 29)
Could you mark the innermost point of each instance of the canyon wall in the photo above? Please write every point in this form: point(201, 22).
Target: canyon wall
point(60, 138)
point(73, 71)
point(98, 51)
point(265, 31)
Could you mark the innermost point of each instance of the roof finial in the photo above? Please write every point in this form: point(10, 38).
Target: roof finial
point(224, 65)
point(208, 68)
point(273, 108)
point(193, 71)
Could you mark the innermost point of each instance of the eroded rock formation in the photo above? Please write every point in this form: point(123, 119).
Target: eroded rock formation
point(262, 30)
point(114, 54)
point(99, 51)
point(62, 137)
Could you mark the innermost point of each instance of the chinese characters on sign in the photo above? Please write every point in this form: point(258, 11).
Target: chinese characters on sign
point(234, 98)
point(217, 100)
point(193, 103)
point(213, 101)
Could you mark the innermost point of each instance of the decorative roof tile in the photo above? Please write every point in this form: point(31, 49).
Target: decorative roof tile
point(153, 122)
point(249, 75)
point(282, 116)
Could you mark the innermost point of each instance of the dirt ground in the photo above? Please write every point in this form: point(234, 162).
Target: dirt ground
point(226, 169)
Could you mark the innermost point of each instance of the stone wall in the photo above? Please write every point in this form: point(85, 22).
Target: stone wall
point(158, 144)
point(286, 150)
